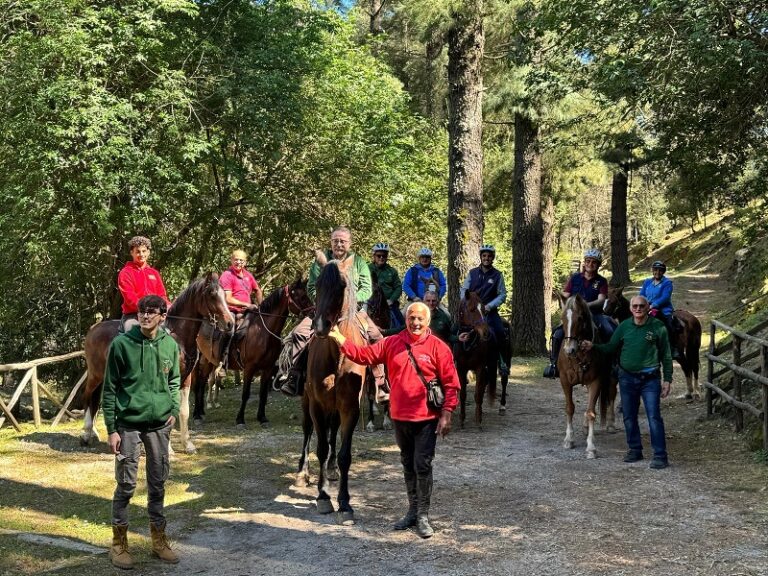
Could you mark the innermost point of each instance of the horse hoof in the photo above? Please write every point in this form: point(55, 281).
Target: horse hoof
point(198, 422)
point(591, 455)
point(370, 427)
point(264, 424)
point(324, 507)
point(191, 449)
point(697, 396)
point(240, 425)
point(502, 409)
point(302, 481)
point(217, 405)
point(333, 476)
point(345, 518)
point(569, 445)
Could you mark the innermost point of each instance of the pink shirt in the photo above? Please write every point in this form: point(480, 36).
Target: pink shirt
point(240, 286)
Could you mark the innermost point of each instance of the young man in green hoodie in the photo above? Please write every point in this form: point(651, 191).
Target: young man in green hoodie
point(141, 405)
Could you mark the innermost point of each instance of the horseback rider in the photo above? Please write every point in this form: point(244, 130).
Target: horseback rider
point(242, 294)
point(138, 279)
point(658, 291)
point(421, 275)
point(593, 287)
point(360, 274)
point(389, 280)
point(488, 282)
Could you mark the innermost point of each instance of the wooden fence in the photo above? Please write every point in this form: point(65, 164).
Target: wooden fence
point(30, 377)
point(739, 373)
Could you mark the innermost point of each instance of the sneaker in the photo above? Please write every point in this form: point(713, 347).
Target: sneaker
point(550, 371)
point(658, 464)
point(633, 456)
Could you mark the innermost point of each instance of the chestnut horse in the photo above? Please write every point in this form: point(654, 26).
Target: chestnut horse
point(255, 351)
point(202, 299)
point(588, 368)
point(479, 353)
point(331, 401)
point(687, 341)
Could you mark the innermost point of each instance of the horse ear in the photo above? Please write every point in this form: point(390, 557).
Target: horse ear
point(321, 257)
point(619, 290)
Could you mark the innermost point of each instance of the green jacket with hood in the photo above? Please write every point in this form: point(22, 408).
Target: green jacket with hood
point(141, 382)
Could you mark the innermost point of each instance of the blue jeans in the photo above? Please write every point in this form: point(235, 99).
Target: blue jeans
point(634, 386)
point(494, 323)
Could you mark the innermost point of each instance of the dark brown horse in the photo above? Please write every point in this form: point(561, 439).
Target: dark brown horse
point(586, 367)
point(479, 353)
point(256, 348)
point(686, 339)
point(202, 299)
point(331, 400)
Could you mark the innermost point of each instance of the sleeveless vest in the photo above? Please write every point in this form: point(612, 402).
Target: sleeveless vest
point(486, 284)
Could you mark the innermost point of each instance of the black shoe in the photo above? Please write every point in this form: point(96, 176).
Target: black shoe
point(289, 386)
point(550, 371)
point(658, 464)
point(407, 521)
point(675, 355)
point(633, 456)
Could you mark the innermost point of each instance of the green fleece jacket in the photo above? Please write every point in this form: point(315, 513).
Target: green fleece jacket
point(389, 280)
point(141, 383)
point(643, 347)
point(359, 273)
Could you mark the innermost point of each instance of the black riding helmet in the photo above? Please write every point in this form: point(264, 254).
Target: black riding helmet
point(659, 265)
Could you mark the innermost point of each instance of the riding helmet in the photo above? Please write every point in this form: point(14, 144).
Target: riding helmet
point(425, 252)
point(488, 248)
point(380, 247)
point(660, 265)
point(595, 254)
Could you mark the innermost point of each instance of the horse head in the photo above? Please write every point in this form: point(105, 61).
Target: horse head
point(471, 315)
point(202, 299)
point(616, 304)
point(332, 297)
point(299, 303)
point(577, 324)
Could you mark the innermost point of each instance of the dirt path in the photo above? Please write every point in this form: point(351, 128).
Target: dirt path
point(510, 500)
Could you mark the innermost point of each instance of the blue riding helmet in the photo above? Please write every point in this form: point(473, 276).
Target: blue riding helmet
point(595, 254)
point(487, 248)
point(425, 252)
point(659, 265)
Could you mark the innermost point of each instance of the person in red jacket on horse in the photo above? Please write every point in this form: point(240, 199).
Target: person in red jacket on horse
point(138, 279)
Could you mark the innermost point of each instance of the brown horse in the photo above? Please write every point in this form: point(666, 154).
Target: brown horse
point(202, 299)
point(380, 313)
point(256, 349)
point(686, 339)
point(479, 353)
point(331, 401)
point(588, 368)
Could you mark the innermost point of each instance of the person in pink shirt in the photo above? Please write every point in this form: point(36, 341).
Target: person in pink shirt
point(138, 279)
point(416, 425)
point(242, 293)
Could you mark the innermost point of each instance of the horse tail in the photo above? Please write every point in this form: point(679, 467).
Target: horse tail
point(694, 346)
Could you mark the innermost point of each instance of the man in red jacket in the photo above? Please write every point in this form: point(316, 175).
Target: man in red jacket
point(138, 279)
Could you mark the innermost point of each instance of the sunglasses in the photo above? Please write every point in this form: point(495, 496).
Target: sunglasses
point(637, 306)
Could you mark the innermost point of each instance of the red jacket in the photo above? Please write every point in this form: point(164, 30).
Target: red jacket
point(408, 396)
point(135, 283)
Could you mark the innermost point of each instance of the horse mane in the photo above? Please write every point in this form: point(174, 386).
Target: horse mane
point(270, 302)
point(182, 300)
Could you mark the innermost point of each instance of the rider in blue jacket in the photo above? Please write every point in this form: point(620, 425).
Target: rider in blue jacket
point(421, 275)
point(658, 291)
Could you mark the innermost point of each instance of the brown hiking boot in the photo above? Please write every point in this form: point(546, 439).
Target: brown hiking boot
point(160, 546)
point(118, 553)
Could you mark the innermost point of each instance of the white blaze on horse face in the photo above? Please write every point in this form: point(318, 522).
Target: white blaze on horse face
point(570, 344)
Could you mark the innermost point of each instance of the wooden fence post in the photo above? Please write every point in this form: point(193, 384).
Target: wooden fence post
point(737, 342)
point(710, 368)
point(36, 398)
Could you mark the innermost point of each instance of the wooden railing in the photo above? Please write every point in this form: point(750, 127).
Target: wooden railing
point(30, 377)
point(739, 374)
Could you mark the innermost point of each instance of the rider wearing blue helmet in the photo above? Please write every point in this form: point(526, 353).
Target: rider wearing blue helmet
point(422, 275)
point(488, 282)
point(593, 287)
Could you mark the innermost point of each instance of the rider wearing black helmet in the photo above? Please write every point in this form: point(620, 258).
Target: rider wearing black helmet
point(658, 291)
point(593, 287)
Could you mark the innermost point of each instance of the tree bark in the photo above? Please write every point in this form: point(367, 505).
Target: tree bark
point(527, 242)
point(465, 156)
point(375, 15)
point(548, 224)
point(619, 253)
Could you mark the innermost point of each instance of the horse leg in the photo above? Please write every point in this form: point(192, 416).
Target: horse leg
point(265, 381)
point(590, 416)
point(346, 515)
point(324, 504)
point(332, 465)
point(89, 435)
point(302, 477)
point(569, 410)
point(462, 396)
point(247, 380)
point(386, 422)
point(369, 401)
point(201, 377)
point(186, 442)
point(480, 383)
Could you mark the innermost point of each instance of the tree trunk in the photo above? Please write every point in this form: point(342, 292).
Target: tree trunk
point(619, 254)
point(527, 242)
point(548, 224)
point(375, 14)
point(432, 50)
point(465, 154)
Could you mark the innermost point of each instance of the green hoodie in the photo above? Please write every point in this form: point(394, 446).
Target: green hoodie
point(141, 383)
